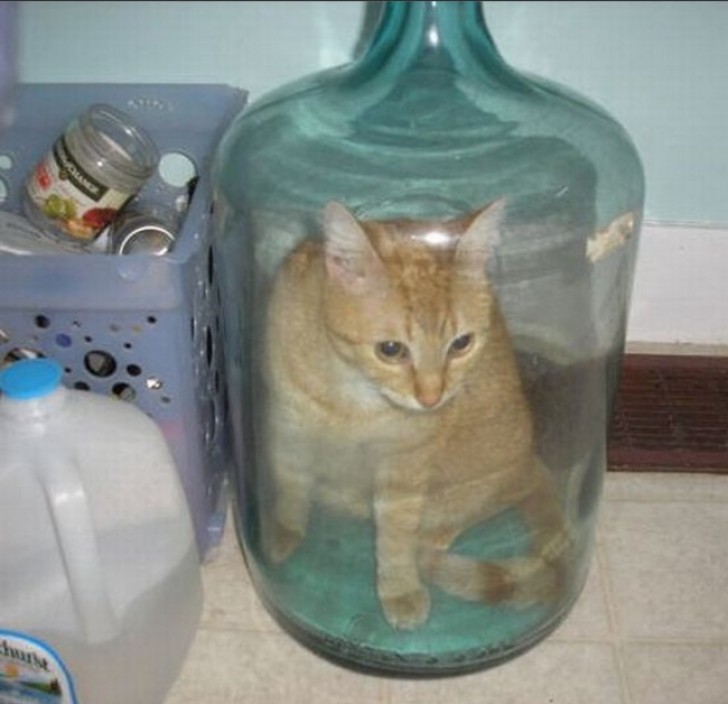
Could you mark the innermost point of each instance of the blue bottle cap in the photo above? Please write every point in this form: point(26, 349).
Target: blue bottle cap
point(30, 378)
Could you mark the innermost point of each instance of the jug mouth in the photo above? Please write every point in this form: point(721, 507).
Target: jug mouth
point(30, 378)
point(30, 388)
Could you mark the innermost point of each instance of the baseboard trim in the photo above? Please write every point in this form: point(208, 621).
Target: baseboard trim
point(680, 285)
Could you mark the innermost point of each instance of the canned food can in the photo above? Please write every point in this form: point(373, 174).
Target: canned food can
point(148, 229)
point(98, 163)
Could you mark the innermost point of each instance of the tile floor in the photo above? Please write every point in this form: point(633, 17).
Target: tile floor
point(651, 626)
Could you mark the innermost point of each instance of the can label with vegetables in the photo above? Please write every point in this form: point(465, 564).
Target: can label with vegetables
point(100, 161)
point(67, 194)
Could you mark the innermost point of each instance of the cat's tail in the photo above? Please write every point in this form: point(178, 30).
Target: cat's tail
point(519, 581)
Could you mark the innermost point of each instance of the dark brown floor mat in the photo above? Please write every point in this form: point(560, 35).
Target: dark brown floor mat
point(671, 414)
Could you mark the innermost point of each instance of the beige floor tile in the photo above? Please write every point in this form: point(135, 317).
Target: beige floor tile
point(589, 617)
point(665, 486)
point(230, 599)
point(237, 667)
point(677, 674)
point(563, 673)
point(660, 565)
point(667, 567)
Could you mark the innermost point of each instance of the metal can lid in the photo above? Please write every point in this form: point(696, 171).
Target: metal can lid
point(146, 235)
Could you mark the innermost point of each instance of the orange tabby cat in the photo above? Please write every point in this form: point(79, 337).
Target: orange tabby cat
point(394, 394)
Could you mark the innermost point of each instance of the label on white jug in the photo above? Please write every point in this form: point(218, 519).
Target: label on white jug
point(32, 673)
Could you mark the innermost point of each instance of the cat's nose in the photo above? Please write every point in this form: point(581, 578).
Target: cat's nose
point(429, 395)
point(429, 400)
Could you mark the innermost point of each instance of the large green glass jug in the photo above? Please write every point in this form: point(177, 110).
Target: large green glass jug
point(426, 260)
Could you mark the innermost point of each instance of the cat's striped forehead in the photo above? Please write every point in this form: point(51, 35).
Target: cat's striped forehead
point(419, 258)
point(420, 269)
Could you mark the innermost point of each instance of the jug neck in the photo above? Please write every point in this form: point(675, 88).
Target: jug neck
point(447, 34)
point(33, 409)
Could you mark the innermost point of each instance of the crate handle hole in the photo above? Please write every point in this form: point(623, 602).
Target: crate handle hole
point(6, 162)
point(209, 346)
point(64, 340)
point(177, 169)
point(125, 392)
point(18, 353)
point(213, 420)
point(100, 363)
point(210, 266)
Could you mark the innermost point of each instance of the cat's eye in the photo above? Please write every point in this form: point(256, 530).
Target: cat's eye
point(460, 344)
point(392, 351)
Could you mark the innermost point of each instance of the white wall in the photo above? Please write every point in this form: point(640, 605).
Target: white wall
point(680, 292)
point(658, 67)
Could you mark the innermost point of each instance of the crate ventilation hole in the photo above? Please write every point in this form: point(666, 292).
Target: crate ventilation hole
point(98, 363)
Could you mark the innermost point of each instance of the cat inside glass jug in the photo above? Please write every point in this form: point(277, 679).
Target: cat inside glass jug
point(426, 259)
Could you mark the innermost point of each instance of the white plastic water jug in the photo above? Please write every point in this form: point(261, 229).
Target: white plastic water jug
point(100, 585)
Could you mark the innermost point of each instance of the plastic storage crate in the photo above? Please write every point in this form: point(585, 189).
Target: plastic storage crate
point(143, 328)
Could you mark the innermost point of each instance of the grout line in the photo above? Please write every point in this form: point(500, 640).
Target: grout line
point(615, 636)
point(386, 692)
point(674, 642)
point(621, 490)
point(238, 628)
point(625, 692)
point(717, 642)
point(665, 500)
point(703, 472)
point(686, 349)
point(261, 631)
point(600, 555)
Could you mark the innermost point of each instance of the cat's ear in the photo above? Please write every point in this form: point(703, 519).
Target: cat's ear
point(478, 239)
point(350, 258)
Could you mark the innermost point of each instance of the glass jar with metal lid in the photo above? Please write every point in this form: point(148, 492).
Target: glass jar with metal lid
point(102, 159)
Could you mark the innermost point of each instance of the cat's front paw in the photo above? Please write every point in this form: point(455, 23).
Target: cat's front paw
point(407, 611)
point(282, 542)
